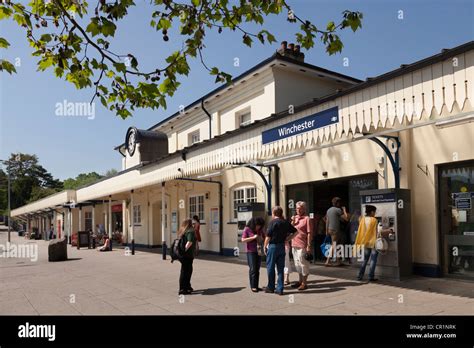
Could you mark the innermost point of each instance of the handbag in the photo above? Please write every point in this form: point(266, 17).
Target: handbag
point(326, 246)
point(381, 244)
point(260, 251)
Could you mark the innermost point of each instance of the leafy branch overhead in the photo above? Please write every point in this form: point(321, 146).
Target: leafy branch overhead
point(74, 38)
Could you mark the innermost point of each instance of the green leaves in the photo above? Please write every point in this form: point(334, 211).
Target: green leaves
point(80, 52)
point(101, 26)
point(5, 12)
point(4, 43)
point(45, 63)
point(352, 20)
point(7, 66)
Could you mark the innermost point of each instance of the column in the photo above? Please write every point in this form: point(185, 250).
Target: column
point(55, 223)
point(70, 224)
point(93, 219)
point(132, 235)
point(163, 213)
point(80, 218)
point(110, 216)
point(124, 222)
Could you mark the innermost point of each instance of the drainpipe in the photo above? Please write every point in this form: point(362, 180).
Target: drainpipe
point(221, 222)
point(210, 118)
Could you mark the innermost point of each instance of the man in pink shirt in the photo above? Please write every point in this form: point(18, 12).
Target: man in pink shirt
point(301, 244)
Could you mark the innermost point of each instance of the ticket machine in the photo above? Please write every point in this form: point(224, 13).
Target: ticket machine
point(393, 212)
point(246, 211)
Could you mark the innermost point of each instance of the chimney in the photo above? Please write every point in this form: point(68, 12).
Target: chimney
point(282, 48)
point(291, 51)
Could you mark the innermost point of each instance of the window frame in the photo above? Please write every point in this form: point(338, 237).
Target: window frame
point(193, 134)
point(197, 212)
point(245, 198)
point(137, 214)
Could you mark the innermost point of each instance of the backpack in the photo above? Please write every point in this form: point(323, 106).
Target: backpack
point(178, 248)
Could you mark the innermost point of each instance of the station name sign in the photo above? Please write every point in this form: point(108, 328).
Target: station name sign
point(318, 120)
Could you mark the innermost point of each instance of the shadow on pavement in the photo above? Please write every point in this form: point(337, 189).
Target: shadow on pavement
point(215, 291)
point(447, 286)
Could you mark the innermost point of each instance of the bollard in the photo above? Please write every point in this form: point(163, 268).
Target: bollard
point(69, 240)
point(93, 242)
point(133, 246)
point(164, 250)
point(110, 244)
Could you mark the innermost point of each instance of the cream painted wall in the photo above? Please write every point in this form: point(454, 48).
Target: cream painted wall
point(295, 88)
point(432, 146)
point(202, 126)
point(261, 105)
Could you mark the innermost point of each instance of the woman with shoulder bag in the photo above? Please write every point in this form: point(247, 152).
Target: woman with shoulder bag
point(253, 236)
point(368, 236)
point(186, 231)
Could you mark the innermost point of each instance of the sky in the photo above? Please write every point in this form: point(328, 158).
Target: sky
point(393, 33)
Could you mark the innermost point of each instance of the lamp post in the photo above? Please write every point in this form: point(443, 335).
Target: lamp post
point(9, 200)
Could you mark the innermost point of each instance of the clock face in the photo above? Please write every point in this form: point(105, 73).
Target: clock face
point(131, 141)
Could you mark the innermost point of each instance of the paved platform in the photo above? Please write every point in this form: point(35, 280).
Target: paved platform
point(94, 283)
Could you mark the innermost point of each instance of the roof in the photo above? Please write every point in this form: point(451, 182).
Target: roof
point(274, 57)
point(404, 68)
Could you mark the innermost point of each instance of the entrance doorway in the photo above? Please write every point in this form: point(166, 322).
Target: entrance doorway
point(456, 221)
point(318, 196)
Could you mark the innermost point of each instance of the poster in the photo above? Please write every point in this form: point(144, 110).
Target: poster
point(214, 220)
point(174, 222)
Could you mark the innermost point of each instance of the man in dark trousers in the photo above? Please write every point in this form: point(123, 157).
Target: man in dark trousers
point(278, 231)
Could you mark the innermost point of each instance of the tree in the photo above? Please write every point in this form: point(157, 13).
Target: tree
point(82, 179)
point(29, 180)
point(111, 172)
point(74, 39)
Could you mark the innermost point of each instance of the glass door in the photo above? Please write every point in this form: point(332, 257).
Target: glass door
point(456, 193)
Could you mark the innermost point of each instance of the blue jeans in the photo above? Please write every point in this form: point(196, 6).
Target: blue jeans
point(373, 255)
point(275, 256)
point(254, 262)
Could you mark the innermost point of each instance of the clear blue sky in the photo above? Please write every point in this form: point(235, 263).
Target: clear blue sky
point(67, 146)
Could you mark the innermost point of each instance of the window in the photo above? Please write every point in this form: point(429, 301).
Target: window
point(88, 220)
point(137, 215)
point(245, 194)
point(245, 119)
point(196, 207)
point(193, 138)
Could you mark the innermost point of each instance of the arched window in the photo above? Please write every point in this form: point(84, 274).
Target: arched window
point(242, 194)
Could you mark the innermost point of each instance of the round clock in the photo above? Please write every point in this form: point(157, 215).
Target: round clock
point(131, 140)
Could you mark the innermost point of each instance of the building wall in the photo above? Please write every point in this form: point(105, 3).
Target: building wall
point(432, 146)
point(295, 87)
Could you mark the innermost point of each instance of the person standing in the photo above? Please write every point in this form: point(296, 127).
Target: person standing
point(334, 216)
point(187, 231)
point(319, 232)
point(253, 237)
point(278, 232)
point(197, 231)
point(301, 244)
point(366, 236)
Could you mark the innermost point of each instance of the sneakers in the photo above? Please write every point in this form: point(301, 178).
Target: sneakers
point(373, 279)
point(269, 291)
point(184, 292)
point(279, 293)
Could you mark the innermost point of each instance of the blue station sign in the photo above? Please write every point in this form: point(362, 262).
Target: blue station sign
point(318, 120)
